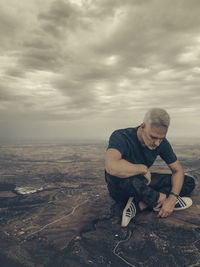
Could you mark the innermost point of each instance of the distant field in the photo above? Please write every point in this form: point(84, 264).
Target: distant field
point(32, 163)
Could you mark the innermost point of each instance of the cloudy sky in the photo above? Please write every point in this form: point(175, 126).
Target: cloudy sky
point(78, 69)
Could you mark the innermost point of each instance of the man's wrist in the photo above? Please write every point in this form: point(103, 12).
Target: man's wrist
point(172, 198)
point(144, 169)
point(173, 194)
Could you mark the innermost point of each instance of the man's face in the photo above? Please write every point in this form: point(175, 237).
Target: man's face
point(153, 135)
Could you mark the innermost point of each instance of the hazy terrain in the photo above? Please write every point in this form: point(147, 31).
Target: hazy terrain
point(55, 211)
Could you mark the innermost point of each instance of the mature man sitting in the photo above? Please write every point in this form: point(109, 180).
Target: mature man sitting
point(130, 154)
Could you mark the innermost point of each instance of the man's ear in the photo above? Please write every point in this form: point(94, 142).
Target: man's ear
point(142, 125)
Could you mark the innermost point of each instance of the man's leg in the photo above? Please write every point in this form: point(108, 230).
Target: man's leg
point(121, 189)
point(116, 191)
point(162, 183)
point(142, 192)
point(140, 195)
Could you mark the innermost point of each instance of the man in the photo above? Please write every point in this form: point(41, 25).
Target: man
point(130, 154)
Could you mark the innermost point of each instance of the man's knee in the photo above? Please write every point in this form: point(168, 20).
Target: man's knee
point(188, 185)
point(116, 192)
point(190, 181)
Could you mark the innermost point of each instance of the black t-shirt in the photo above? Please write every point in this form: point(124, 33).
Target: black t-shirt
point(127, 143)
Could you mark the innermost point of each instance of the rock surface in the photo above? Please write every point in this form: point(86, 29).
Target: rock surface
point(63, 215)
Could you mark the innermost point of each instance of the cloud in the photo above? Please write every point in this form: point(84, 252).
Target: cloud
point(95, 62)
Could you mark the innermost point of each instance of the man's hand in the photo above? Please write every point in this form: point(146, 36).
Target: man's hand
point(167, 207)
point(147, 175)
point(161, 200)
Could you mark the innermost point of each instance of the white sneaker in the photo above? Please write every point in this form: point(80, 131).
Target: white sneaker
point(128, 213)
point(183, 203)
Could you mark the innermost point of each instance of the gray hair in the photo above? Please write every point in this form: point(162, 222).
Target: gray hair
point(157, 117)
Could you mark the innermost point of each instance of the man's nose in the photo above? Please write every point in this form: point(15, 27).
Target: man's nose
point(157, 142)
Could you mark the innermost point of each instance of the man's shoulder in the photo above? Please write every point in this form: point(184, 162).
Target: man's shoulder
point(126, 131)
point(123, 139)
point(166, 152)
point(165, 143)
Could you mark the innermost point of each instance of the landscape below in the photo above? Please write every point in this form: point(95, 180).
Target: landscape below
point(55, 210)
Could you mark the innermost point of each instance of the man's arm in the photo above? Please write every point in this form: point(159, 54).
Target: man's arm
point(177, 183)
point(177, 177)
point(122, 168)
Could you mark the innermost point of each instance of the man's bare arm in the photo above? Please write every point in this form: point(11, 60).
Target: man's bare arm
point(177, 176)
point(177, 183)
point(121, 168)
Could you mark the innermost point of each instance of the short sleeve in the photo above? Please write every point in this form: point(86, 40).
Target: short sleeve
point(167, 153)
point(118, 142)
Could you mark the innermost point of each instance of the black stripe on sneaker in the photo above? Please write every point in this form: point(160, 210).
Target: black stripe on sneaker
point(181, 202)
point(133, 208)
point(131, 211)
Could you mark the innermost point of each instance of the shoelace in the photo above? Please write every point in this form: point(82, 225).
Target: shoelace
point(131, 211)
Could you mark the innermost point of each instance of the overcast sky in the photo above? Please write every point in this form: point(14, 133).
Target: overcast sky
point(79, 69)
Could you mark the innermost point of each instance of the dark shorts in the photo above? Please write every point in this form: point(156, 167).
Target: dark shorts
point(121, 189)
